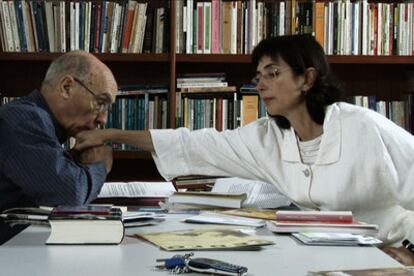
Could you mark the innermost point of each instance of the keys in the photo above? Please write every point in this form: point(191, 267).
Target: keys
point(177, 264)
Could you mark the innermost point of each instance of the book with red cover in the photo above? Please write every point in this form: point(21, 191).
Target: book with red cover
point(323, 216)
point(84, 209)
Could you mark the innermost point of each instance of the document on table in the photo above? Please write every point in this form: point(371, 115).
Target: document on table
point(136, 189)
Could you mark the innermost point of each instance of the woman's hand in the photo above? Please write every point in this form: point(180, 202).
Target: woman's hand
point(89, 138)
point(401, 254)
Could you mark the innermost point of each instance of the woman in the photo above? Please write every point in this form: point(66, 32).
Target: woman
point(321, 153)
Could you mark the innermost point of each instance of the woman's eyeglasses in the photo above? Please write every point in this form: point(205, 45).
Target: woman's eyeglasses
point(270, 73)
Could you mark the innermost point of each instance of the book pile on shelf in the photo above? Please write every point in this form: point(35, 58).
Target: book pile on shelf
point(206, 100)
point(139, 107)
point(320, 222)
point(346, 27)
point(93, 26)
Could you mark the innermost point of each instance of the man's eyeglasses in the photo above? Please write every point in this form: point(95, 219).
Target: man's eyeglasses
point(100, 105)
point(270, 73)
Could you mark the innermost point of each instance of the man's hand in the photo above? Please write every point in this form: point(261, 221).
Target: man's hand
point(97, 154)
point(89, 138)
point(401, 254)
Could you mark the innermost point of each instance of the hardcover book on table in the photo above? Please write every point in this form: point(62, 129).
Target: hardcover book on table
point(86, 228)
point(223, 200)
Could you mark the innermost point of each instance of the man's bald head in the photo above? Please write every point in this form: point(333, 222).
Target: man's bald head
point(78, 89)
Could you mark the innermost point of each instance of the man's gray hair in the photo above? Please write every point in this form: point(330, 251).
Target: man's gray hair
point(74, 64)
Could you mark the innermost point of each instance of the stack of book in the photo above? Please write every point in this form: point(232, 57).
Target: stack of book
point(27, 215)
point(86, 225)
point(320, 221)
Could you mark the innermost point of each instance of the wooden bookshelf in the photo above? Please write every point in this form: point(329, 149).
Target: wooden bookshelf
point(384, 76)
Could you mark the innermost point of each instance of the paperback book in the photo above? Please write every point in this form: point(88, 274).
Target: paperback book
point(205, 239)
point(338, 239)
point(354, 227)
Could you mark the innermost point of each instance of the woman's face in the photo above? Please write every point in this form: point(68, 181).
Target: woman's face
point(279, 87)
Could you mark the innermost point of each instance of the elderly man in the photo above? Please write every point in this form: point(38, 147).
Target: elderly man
point(34, 167)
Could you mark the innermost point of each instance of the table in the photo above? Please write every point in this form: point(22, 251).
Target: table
point(27, 254)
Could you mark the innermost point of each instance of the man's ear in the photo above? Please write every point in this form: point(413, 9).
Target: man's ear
point(310, 78)
point(66, 86)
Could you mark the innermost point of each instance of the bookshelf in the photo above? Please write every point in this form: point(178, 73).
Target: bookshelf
point(386, 77)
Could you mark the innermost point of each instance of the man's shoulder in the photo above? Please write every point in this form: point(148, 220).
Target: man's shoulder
point(23, 111)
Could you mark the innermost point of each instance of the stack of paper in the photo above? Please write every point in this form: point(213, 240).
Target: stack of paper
point(312, 238)
point(136, 219)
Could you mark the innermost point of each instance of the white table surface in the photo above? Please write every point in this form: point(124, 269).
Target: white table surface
point(27, 254)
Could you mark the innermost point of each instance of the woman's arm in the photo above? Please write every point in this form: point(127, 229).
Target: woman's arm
point(90, 138)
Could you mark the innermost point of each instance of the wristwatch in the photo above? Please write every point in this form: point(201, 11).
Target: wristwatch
point(407, 244)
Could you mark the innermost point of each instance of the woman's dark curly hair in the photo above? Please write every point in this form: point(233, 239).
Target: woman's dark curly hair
point(302, 52)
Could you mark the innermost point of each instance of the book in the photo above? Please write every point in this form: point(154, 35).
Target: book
point(205, 239)
point(216, 218)
point(252, 213)
point(86, 228)
point(385, 271)
point(26, 214)
point(337, 239)
point(354, 227)
point(198, 182)
point(224, 200)
point(329, 216)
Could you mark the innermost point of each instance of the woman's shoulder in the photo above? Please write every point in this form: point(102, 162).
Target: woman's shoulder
point(357, 116)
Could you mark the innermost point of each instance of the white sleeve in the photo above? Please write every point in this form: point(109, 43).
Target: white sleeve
point(236, 152)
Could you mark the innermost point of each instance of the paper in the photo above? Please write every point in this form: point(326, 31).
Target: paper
point(313, 238)
point(259, 194)
point(205, 239)
point(215, 218)
point(136, 189)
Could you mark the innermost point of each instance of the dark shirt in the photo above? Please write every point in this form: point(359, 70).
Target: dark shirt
point(34, 167)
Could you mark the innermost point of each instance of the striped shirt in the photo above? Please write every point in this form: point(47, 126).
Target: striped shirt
point(34, 167)
point(309, 150)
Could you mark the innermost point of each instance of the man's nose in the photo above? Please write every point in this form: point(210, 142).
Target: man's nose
point(101, 118)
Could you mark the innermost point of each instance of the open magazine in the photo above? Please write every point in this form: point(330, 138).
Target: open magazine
point(259, 194)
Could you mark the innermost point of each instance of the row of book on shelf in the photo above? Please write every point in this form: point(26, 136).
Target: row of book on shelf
point(342, 27)
point(94, 26)
point(138, 109)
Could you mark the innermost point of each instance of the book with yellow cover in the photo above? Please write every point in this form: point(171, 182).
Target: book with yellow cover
point(205, 239)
